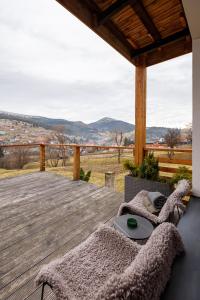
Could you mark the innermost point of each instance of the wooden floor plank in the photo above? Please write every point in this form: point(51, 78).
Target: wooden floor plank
point(78, 210)
point(40, 205)
point(39, 223)
point(29, 226)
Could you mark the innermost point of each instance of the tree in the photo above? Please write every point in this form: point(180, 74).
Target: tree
point(61, 152)
point(127, 141)
point(21, 156)
point(118, 139)
point(1, 152)
point(2, 157)
point(189, 135)
point(172, 138)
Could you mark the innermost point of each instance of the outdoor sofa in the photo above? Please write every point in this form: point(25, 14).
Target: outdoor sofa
point(170, 212)
point(109, 266)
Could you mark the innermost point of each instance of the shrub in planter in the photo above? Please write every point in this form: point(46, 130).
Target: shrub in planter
point(181, 173)
point(149, 169)
point(133, 169)
point(146, 177)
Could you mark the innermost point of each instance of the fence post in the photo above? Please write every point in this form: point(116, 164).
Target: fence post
point(42, 157)
point(76, 165)
point(110, 180)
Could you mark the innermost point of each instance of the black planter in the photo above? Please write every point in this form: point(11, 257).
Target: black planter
point(134, 185)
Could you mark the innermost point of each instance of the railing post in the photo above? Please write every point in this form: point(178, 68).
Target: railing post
point(76, 165)
point(42, 157)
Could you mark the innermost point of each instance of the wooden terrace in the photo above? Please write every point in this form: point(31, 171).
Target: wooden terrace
point(42, 216)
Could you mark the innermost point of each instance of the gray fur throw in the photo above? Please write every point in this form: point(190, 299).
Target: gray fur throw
point(110, 266)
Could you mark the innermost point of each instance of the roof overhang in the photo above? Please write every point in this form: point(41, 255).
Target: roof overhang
point(145, 32)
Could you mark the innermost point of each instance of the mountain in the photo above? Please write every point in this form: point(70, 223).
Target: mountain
point(96, 132)
point(155, 133)
point(109, 124)
point(72, 128)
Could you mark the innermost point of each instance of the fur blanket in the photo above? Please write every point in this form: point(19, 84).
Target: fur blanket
point(137, 207)
point(110, 266)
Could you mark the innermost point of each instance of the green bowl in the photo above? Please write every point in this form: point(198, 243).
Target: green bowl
point(131, 222)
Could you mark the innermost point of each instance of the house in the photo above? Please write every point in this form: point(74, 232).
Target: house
point(146, 33)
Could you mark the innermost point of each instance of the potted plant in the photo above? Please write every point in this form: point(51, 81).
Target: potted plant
point(182, 173)
point(144, 177)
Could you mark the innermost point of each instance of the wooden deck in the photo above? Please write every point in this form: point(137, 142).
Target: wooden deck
point(42, 216)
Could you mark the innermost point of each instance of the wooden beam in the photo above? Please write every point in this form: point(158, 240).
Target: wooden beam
point(140, 113)
point(87, 12)
point(144, 17)
point(170, 39)
point(109, 25)
point(169, 51)
point(139, 9)
point(112, 10)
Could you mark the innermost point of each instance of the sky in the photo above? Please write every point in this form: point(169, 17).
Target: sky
point(53, 65)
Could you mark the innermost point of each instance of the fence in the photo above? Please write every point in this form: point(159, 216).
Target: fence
point(169, 159)
point(175, 157)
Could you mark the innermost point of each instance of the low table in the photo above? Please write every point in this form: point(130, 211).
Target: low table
point(141, 232)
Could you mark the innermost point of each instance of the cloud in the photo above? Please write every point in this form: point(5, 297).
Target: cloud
point(53, 65)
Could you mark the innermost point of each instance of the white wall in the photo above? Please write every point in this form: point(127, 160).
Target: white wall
point(196, 118)
point(192, 11)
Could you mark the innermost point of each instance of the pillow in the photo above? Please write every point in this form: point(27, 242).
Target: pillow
point(149, 206)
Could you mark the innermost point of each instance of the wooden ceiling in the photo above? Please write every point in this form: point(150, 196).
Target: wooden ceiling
point(146, 32)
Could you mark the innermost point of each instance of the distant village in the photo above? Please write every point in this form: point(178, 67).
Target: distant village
point(19, 132)
point(12, 132)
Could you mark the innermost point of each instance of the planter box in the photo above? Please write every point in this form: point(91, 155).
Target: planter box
point(134, 185)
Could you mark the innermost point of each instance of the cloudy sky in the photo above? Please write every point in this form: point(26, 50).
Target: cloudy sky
point(52, 65)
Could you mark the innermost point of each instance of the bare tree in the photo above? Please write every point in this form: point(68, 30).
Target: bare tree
point(118, 138)
point(62, 140)
point(172, 138)
point(20, 157)
point(1, 152)
point(60, 153)
point(1, 157)
point(53, 156)
point(189, 135)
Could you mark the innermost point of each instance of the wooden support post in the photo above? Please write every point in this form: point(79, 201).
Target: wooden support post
point(76, 166)
point(42, 157)
point(140, 113)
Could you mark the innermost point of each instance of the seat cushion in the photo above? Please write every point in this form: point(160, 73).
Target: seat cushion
point(146, 277)
point(82, 271)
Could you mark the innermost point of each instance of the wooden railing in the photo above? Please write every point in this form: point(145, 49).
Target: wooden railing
point(77, 154)
point(173, 160)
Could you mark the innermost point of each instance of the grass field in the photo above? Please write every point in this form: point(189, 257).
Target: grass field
point(98, 164)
